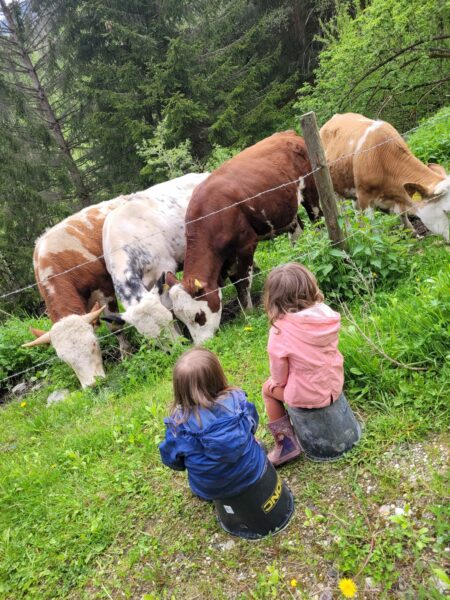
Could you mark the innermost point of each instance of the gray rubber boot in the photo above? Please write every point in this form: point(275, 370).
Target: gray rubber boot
point(287, 446)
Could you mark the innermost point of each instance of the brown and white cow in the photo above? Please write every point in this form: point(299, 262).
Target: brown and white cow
point(71, 280)
point(223, 228)
point(375, 166)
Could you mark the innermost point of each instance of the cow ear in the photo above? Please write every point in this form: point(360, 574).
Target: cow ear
point(171, 279)
point(437, 169)
point(37, 332)
point(416, 191)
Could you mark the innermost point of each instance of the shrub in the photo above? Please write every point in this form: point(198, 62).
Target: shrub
point(431, 142)
point(377, 255)
point(380, 60)
point(14, 358)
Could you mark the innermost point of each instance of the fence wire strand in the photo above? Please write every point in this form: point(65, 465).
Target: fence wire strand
point(248, 277)
point(220, 210)
point(251, 276)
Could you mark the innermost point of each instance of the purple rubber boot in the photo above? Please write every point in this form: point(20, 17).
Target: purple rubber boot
point(286, 444)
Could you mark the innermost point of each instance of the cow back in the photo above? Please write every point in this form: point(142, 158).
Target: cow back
point(66, 263)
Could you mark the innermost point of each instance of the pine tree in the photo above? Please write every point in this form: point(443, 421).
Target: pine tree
point(23, 37)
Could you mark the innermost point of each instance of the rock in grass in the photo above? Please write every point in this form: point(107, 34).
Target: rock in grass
point(227, 545)
point(57, 396)
point(20, 389)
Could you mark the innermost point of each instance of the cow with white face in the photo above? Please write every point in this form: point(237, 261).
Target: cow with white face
point(73, 281)
point(198, 309)
point(253, 196)
point(142, 239)
point(76, 344)
point(370, 161)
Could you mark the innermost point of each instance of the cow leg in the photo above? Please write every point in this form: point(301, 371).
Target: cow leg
point(242, 277)
point(297, 232)
point(124, 345)
point(406, 222)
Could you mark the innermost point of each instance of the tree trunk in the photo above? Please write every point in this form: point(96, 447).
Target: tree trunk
point(46, 109)
point(7, 281)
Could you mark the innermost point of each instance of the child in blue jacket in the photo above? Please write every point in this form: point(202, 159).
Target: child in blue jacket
point(211, 429)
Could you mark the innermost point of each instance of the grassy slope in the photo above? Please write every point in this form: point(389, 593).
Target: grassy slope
point(88, 510)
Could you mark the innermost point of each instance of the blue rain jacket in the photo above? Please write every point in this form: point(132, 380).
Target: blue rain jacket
point(221, 454)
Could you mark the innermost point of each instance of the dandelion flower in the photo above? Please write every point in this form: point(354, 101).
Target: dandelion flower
point(23, 404)
point(248, 328)
point(293, 583)
point(348, 588)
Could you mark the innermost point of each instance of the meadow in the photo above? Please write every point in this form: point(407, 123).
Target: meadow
point(104, 98)
point(89, 511)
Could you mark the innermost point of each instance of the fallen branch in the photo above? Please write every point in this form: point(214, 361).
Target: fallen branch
point(372, 344)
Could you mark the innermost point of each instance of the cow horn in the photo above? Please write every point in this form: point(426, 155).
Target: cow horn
point(37, 332)
point(93, 316)
point(42, 339)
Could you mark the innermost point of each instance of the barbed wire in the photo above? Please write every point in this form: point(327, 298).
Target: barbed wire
point(220, 210)
point(53, 358)
point(251, 276)
point(302, 255)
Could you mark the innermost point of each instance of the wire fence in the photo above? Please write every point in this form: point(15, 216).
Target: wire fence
point(220, 210)
point(302, 255)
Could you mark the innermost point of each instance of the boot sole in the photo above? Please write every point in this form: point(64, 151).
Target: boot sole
point(291, 456)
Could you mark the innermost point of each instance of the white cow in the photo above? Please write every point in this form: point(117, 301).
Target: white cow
point(141, 242)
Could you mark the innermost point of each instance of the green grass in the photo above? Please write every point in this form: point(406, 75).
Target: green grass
point(88, 510)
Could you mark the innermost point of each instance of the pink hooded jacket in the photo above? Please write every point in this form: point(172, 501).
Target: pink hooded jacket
point(304, 357)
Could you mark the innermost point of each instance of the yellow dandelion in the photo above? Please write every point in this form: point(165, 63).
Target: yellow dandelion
point(248, 328)
point(53, 467)
point(23, 404)
point(348, 587)
point(293, 583)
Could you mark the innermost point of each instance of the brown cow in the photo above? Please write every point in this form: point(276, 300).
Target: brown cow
point(375, 166)
point(223, 228)
point(71, 280)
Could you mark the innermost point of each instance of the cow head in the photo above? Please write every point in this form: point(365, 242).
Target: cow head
point(198, 307)
point(150, 316)
point(433, 205)
point(75, 343)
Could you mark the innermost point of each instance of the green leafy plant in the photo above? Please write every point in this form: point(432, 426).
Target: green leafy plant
point(431, 142)
point(163, 162)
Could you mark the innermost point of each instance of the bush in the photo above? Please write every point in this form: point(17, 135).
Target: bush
point(431, 142)
point(377, 255)
point(164, 162)
point(14, 358)
point(380, 61)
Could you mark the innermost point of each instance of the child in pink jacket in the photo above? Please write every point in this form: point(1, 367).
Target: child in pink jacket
point(306, 366)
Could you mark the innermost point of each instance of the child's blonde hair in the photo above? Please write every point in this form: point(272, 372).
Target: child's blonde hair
point(289, 289)
point(198, 381)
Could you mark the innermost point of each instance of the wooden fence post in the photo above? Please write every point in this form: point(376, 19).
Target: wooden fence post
point(322, 178)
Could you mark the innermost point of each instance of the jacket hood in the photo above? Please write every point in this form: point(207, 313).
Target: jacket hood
point(317, 325)
point(223, 434)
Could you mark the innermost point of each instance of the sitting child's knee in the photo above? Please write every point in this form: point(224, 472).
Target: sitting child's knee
point(266, 388)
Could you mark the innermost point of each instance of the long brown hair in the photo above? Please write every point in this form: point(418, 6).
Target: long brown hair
point(289, 289)
point(198, 381)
